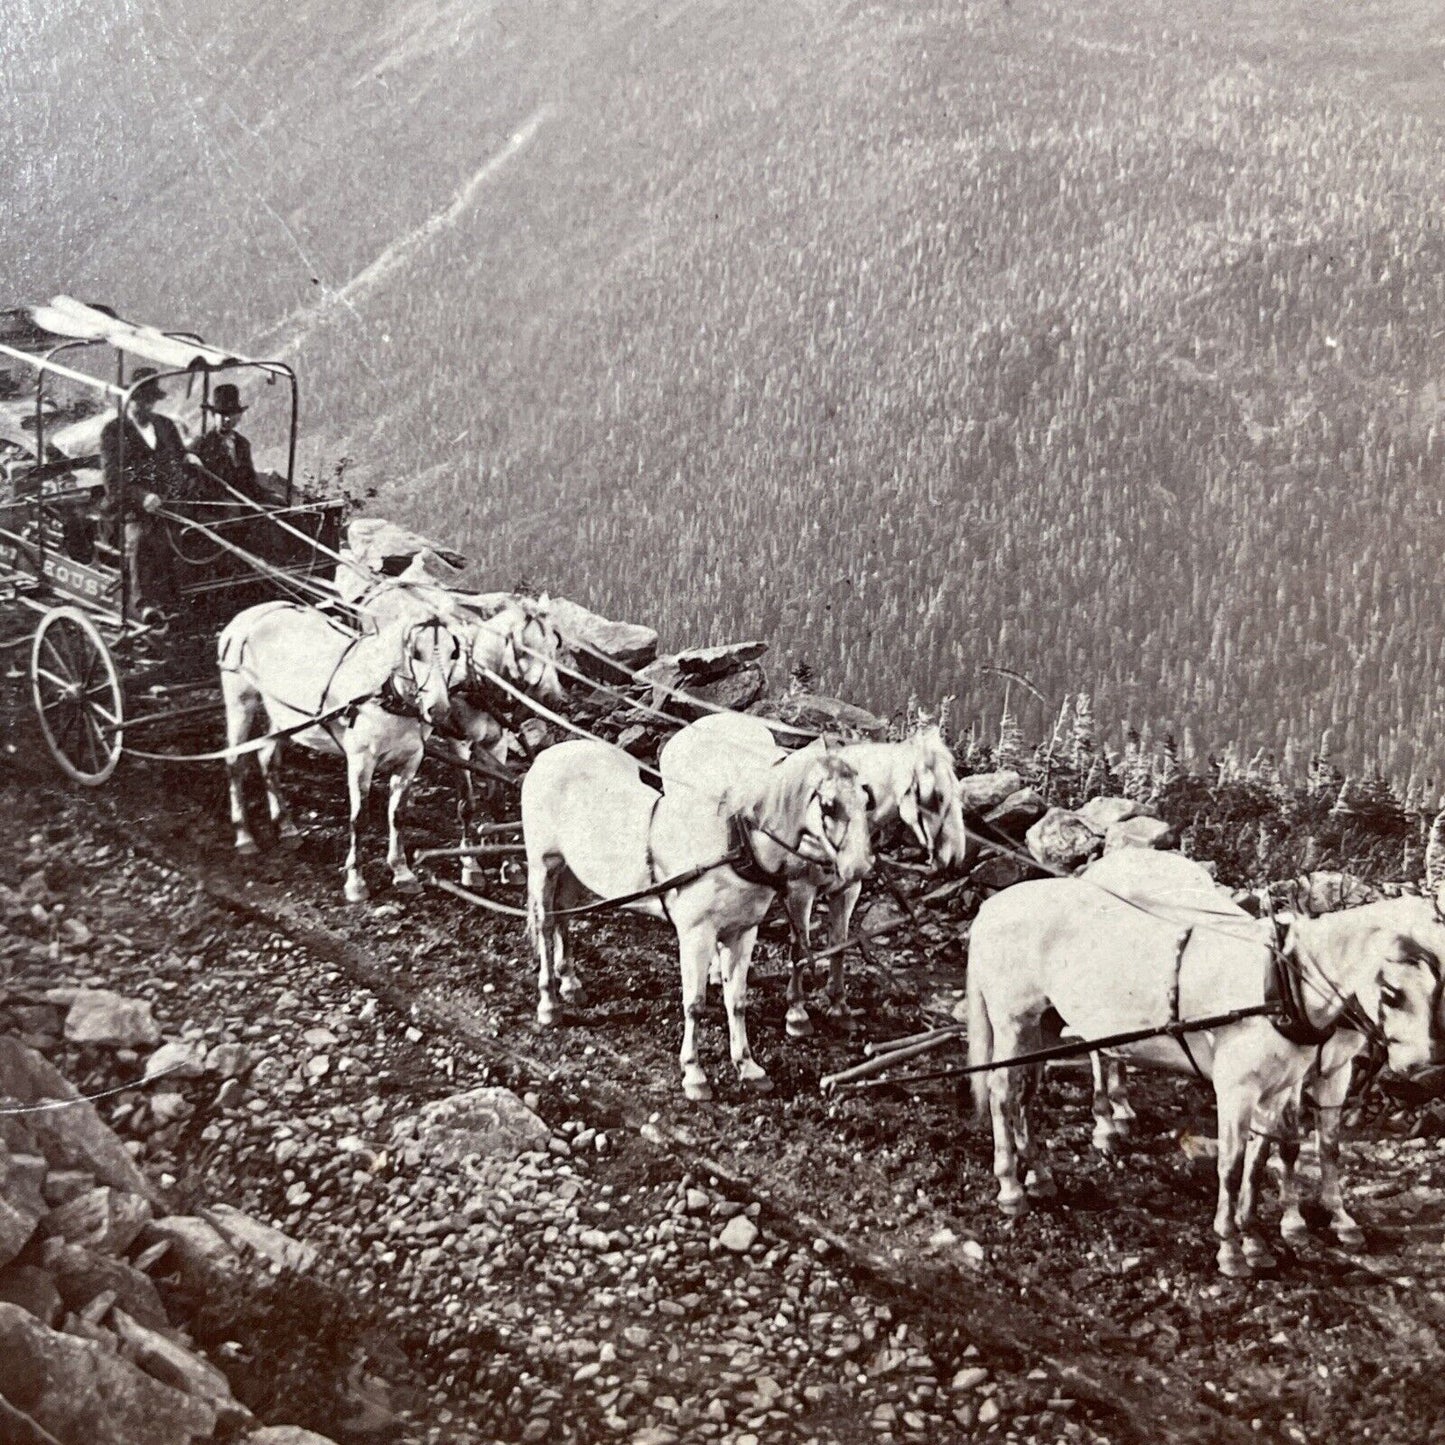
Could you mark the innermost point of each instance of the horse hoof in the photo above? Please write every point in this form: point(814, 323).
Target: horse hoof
point(758, 1083)
point(575, 996)
point(1351, 1237)
point(1044, 1188)
point(547, 1014)
point(1294, 1231)
point(798, 1028)
point(410, 886)
point(1233, 1264)
point(1109, 1144)
point(248, 849)
point(1014, 1208)
point(1258, 1258)
point(698, 1090)
point(356, 891)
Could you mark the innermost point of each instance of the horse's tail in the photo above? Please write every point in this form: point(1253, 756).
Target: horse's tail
point(536, 919)
point(980, 1042)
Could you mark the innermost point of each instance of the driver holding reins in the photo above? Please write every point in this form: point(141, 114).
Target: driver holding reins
point(143, 461)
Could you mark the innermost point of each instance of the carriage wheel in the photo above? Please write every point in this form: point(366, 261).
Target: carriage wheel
point(77, 695)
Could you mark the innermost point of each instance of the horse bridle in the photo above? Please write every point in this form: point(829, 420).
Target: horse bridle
point(395, 697)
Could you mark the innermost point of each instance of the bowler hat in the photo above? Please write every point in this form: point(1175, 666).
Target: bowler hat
point(143, 382)
point(226, 400)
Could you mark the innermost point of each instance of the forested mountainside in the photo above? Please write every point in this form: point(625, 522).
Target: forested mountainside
point(1102, 343)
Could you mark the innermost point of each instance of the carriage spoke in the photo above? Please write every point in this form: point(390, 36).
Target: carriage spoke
point(94, 745)
point(61, 684)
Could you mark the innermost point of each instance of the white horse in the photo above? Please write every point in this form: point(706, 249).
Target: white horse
point(593, 827)
point(1326, 1085)
point(913, 780)
point(515, 640)
point(378, 696)
point(1171, 947)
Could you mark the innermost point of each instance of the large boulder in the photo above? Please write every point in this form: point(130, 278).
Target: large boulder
point(228, 1240)
point(80, 1274)
point(734, 691)
point(1101, 813)
point(34, 1290)
point(700, 664)
point(83, 1394)
point(821, 714)
point(172, 1364)
point(285, 1435)
point(1061, 839)
point(1138, 832)
point(627, 644)
point(488, 1121)
point(1018, 812)
point(103, 1218)
point(70, 1138)
point(375, 546)
point(979, 792)
point(110, 1020)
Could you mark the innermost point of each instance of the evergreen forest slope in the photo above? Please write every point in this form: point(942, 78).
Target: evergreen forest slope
point(1102, 342)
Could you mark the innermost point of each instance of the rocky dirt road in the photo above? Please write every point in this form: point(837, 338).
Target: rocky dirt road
point(774, 1268)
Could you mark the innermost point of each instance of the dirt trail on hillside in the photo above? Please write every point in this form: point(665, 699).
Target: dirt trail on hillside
point(1098, 1316)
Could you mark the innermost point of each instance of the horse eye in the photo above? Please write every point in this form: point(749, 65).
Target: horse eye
point(1391, 996)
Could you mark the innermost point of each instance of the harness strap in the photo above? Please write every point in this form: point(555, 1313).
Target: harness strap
point(1174, 1018)
point(652, 862)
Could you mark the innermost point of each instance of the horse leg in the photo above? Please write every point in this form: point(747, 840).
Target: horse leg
point(1292, 1224)
point(467, 811)
point(268, 759)
point(736, 959)
point(1037, 1176)
point(360, 768)
point(1005, 1098)
point(402, 878)
point(840, 919)
point(697, 947)
point(798, 902)
point(569, 984)
point(1236, 1097)
point(240, 714)
point(1330, 1094)
point(545, 930)
point(1122, 1109)
point(1107, 1134)
point(1265, 1128)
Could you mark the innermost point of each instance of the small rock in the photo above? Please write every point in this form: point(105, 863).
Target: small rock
point(738, 1234)
point(98, 1016)
point(176, 1060)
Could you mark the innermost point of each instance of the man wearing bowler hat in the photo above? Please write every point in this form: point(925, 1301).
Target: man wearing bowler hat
point(143, 461)
point(223, 451)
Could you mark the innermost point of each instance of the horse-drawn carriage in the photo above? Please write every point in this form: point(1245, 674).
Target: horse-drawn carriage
point(96, 670)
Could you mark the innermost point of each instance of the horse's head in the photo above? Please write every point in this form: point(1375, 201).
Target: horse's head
point(1406, 997)
point(433, 662)
point(928, 801)
point(834, 816)
point(525, 648)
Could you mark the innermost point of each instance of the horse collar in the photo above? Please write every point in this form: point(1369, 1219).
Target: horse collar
point(1284, 988)
point(743, 857)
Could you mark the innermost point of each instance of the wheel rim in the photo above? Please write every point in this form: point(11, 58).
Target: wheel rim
point(77, 695)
